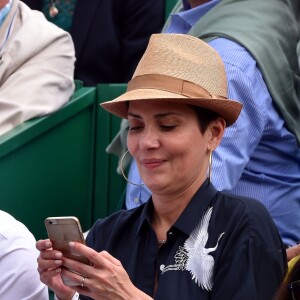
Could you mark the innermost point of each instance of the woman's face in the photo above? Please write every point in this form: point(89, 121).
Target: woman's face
point(169, 148)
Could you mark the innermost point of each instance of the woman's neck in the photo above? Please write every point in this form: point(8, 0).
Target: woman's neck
point(167, 210)
point(168, 206)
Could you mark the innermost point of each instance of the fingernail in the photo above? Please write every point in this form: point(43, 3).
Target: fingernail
point(71, 244)
point(58, 255)
point(48, 244)
point(58, 262)
point(58, 270)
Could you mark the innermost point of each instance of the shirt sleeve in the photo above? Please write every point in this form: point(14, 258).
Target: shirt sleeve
point(18, 257)
point(246, 85)
point(248, 268)
point(253, 262)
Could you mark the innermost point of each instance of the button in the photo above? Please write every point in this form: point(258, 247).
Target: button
point(136, 200)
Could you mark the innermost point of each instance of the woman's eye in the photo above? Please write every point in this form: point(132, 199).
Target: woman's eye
point(168, 127)
point(135, 128)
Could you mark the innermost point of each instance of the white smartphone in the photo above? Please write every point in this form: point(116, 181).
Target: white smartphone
point(61, 231)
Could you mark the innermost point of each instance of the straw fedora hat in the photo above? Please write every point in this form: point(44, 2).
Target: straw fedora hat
point(179, 68)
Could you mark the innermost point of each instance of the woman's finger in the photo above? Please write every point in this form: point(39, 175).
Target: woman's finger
point(89, 253)
point(110, 258)
point(43, 244)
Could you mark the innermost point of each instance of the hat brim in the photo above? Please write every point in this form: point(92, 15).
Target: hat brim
point(228, 109)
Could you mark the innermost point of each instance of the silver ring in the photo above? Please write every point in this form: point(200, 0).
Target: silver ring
point(82, 281)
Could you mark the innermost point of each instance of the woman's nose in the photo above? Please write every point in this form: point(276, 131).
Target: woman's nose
point(149, 139)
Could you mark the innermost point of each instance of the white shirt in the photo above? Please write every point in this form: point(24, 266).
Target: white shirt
point(19, 279)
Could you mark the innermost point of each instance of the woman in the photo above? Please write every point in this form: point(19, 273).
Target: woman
point(188, 241)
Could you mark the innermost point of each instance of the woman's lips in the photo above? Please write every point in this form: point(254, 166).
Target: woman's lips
point(151, 163)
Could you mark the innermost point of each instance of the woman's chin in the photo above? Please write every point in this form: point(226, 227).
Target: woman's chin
point(153, 186)
point(157, 187)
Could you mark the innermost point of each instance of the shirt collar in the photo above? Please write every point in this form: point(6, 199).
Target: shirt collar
point(199, 204)
point(146, 216)
point(190, 216)
point(184, 20)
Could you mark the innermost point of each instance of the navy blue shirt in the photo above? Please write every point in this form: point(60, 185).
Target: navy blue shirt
point(247, 259)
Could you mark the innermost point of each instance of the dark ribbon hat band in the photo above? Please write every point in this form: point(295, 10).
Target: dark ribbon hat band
point(170, 84)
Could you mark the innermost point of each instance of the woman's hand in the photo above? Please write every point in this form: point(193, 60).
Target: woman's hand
point(105, 278)
point(49, 268)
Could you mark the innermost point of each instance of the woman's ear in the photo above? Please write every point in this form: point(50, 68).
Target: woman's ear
point(216, 131)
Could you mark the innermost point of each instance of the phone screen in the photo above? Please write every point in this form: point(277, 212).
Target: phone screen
point(61, 231)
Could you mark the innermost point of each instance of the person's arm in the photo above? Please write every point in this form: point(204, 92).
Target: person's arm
point(245, 84)
point(251, 273)
point(19, 277)
point(253, 263)
point(38, 77)
point(140, 19)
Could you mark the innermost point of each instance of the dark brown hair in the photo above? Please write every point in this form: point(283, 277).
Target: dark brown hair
point(205, 116)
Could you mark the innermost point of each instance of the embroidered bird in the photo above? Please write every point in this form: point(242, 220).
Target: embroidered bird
point(199, 262)
point(194, 257)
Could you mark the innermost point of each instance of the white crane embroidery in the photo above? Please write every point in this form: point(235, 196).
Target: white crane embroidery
point(194, 257)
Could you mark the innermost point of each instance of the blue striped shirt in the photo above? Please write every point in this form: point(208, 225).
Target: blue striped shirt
point(258, 156)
